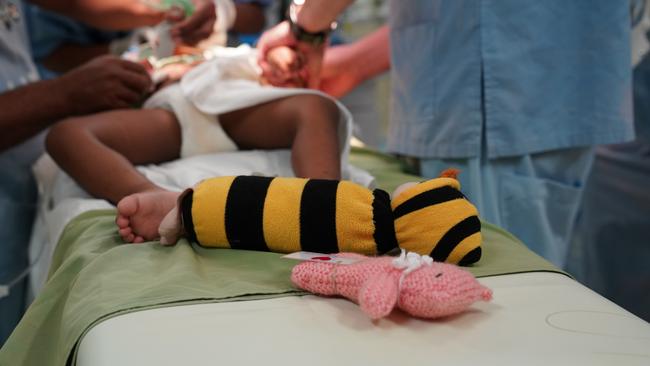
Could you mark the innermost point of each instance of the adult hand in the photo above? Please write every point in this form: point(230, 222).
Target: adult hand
point(106, 82)
point(196, 27)
point(338, 74)
point(346, 66)
point(281, 35)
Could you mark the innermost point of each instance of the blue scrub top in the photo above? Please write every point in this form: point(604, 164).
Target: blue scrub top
point(16, 69)
point(641, 52)
point(537, 75)
point(17, 187)
point(49, 30)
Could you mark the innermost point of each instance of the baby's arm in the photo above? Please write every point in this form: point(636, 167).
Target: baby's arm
point(174, 70)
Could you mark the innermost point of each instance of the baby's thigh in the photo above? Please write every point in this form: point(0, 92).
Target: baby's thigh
point(139, 134)
point(274, 124)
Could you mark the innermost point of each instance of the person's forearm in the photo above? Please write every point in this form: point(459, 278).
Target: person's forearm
point(26, 111)
point(372, 54)
point(250, 18)
point(113, 14)
point(348, 65)
point(70, 55)
point(317, 15)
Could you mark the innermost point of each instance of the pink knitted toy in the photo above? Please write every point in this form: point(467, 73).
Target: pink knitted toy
point(414, 283)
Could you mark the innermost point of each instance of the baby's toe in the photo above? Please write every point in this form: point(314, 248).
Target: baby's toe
point(124, 232)
point(128, 206)
point(128, 238)
point(122, 221)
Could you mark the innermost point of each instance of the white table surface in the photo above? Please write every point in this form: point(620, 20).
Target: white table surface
point(534, 319)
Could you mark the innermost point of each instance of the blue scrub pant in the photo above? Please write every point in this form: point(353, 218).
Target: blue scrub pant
point(610, 249)
point(16, 221)
point(535, 197)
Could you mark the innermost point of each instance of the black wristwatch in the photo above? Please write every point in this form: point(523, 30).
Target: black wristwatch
point(300, 34)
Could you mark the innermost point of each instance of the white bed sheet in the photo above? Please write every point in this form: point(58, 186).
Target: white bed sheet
point(535, 319)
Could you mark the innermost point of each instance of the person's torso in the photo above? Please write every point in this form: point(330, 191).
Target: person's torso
point(537, 75)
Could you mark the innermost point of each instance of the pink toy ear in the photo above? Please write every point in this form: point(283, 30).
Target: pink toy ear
point(486, 295)
point(378, 296)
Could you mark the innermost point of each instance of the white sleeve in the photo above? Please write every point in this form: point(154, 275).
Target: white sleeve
point(226, 15)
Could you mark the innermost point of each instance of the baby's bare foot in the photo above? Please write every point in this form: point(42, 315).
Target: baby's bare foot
point(140, 214)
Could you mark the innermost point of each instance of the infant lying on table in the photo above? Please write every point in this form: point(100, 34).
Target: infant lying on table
point(220, 105)
point(277, 214)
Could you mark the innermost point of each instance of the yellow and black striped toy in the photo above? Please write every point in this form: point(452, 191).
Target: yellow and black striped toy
point(293, 214)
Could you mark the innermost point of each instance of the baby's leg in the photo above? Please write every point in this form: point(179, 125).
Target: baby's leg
point(140, 214)
point(307, 124)
point(100, 151)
